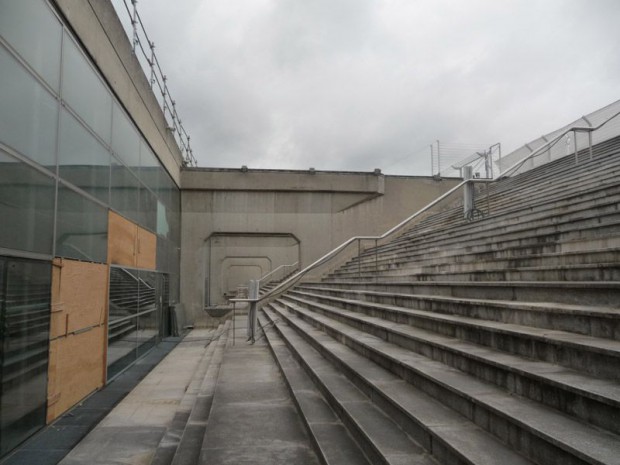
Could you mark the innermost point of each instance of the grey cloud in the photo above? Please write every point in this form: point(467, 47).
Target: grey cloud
point(359, 84)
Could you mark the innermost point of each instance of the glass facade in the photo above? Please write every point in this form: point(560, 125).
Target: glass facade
point(24, 338)
point(137, 299)
point(69, 153)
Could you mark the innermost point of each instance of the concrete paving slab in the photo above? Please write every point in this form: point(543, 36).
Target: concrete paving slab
point(130, 433)
point(253, 419)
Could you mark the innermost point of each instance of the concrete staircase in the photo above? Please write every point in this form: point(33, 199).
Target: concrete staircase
point(487, 342)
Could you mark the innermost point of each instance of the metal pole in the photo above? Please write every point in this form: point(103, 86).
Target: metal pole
point(575, 143)
point(432, 161)
point(134, 23)
point(152, 63)
point(590, 143)
point(359, 258)
point(438, 159)
point(234, 318)
point(376, 256)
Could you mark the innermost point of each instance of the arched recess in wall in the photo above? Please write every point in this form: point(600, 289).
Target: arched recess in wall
point(232, 259)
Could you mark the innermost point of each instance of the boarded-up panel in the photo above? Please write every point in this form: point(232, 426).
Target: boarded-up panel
point(79, 296)
point(76, 369)
point(147, 250)
point(122, 240)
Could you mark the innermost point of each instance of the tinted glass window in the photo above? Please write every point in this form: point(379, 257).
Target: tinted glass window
point(81, 227)
point(27, 207)
point(33, 30)
point(84, 91)
point(24, 330)
point(125, 140)
point(124, 191)
point(28, 113)
point(82, 160)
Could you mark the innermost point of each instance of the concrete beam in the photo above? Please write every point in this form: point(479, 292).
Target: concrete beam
point(215, 179)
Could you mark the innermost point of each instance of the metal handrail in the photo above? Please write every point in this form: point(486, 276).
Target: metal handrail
point(292, 280)
point(288, 283)
point(552, 142)
point(262, 279)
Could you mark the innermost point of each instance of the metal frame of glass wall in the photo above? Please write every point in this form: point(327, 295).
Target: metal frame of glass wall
point(69, 152)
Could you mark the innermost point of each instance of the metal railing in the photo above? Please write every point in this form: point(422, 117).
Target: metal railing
point(294, 279)
point(157, 77)
point(549, 145)
point(274, 274)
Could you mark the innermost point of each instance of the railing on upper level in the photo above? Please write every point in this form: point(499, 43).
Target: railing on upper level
point(151, 67)
point(292, 280)
point(280, 272)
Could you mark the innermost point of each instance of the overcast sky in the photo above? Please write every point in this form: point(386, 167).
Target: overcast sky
point(364, 84)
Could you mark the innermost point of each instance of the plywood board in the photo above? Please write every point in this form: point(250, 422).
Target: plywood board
point(79, 296)
point(122, 240)
point(147, 250)
point(76, 369)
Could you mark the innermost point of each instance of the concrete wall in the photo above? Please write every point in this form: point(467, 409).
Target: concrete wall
point(97, 26)
point(321, 210)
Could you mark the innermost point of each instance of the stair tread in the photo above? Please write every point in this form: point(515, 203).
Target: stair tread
point(601, 389)
point(581, 439)
point(560, 337)
point(446, 425)
point(331, 435)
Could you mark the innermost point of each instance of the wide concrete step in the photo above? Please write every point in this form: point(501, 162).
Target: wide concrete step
point(596, 401)
point(330, 437)
point(600, 294)
point(540, 433)
point(597, 356)
point(592, 213)
point(399, 422)
point(169, 443)
point(595, 321)
point(531, 252)
point(586, 272)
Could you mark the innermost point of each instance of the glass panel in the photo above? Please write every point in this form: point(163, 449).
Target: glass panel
point(125, 140)
point(33, 30)
point(148, 209)
point(163, 228)
point(27, 198)
point(25, 315)
point(150, 169)
point(148, 323)
point(124, 191)
point(28, 113)
point(122, 331)
point(84, 91)
point(82, 160)
point(81, 227)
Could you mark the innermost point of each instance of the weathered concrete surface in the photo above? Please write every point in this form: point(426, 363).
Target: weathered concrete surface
point(320, 210)
point(131, 432)
point(253, 419)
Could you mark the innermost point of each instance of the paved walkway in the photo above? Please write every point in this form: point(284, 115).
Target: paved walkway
point(253, 419)
point(132, 430)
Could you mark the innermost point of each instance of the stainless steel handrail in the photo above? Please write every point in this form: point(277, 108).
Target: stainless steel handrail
point(552, 142)
point(262, 279)
point(287, 283)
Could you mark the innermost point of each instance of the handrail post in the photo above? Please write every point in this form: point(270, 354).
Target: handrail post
point(359, 258)
point(590, 143)
point(376, 256)
point(575, 143)
point(253, 295)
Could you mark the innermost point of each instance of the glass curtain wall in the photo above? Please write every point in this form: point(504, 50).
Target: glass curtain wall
point(137, 298)
point(24, 339)
point(69, 153)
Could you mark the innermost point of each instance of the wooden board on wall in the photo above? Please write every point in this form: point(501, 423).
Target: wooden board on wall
point(122, 240)
point(147, 250)
point(77, 368)
point(79, 296)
